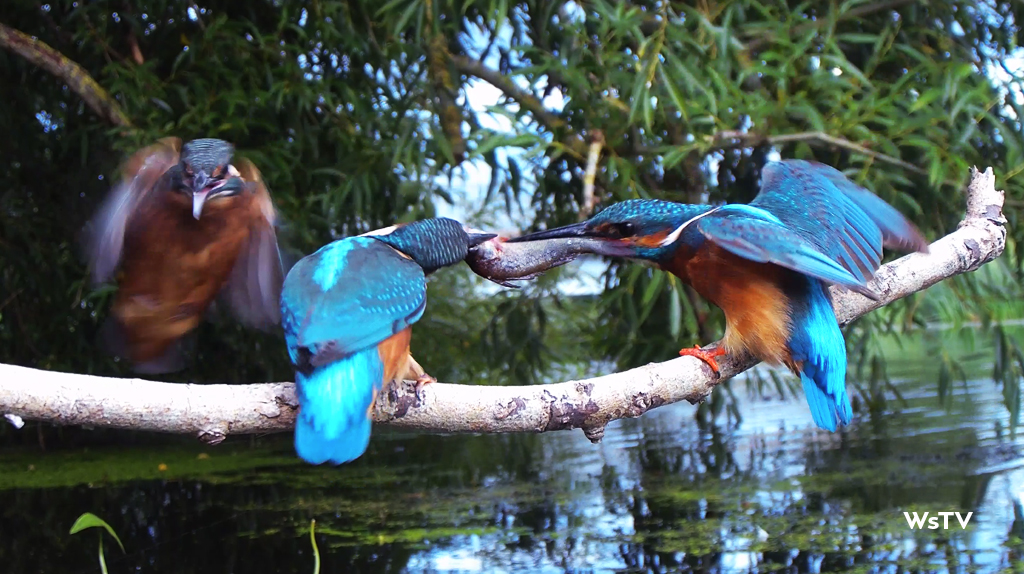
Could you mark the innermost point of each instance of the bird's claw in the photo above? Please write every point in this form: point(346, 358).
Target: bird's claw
point(706, 355)
point(422, 381)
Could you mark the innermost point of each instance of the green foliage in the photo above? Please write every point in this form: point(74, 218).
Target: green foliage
point(360, 115)
point(90, 520)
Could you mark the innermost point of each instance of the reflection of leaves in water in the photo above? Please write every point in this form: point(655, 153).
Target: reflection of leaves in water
point(367, 515)
point(784, 519)
point(510, 498)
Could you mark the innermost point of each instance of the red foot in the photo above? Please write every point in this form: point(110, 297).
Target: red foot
point(708, 356)
point(422, 381)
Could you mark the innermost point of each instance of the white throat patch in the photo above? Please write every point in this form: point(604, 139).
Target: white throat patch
point(382, 231)
point(674, 236)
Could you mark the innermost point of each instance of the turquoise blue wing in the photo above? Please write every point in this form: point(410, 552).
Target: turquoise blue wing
point(349, 295)
point(844, 221)
point(756, 235)
point(897, 231)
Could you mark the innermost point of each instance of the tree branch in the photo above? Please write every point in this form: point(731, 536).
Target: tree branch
point(214, 411)
point(733, 138)
point(720, 140)
point(75, 76)
point(504, 83)
point(524, 98)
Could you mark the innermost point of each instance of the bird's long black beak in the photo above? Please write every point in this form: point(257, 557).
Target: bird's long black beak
point(567, 231)
point(478, 237)
point(578, 238)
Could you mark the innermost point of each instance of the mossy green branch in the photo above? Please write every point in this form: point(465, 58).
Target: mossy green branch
point(42, 55)
point(444, 87)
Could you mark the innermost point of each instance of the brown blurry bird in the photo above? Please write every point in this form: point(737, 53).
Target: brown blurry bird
point(186, 224)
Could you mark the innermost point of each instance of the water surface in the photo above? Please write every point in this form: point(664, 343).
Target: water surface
point(660, 494)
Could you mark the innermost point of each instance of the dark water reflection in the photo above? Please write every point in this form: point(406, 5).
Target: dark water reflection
point(660, 494)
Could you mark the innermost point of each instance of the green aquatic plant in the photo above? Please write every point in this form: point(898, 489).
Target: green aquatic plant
point(316, 551)
point(90, 520)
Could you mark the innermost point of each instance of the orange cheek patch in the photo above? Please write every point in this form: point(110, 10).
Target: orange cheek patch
point(653, 240)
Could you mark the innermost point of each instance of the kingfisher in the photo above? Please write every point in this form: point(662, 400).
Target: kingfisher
point(766, 264)
point(347, 312)
point(186, 224)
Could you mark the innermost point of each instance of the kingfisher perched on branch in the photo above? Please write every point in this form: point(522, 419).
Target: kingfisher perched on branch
point(766, 265)
point(347, 312)
point(186, 224)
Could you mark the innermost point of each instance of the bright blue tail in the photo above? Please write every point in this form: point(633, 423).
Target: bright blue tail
point(818, 343)
point(333, 424)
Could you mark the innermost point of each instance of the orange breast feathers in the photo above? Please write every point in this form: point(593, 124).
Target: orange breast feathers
point(173, 268)
point(757, 312)
point(394, 353)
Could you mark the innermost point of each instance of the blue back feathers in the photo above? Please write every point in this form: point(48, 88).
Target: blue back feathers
point(337, 305)
point(349, 295)
point(825, 226)
point(842, 220)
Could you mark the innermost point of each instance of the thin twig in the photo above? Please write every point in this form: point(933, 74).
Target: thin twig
point(593, 154)
point(525, 99)
point(729, 138)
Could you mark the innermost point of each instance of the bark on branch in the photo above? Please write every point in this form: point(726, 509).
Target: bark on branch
point(69, 72)
point(214, 411)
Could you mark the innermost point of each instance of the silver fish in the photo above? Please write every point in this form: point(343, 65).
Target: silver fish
point(502, 262)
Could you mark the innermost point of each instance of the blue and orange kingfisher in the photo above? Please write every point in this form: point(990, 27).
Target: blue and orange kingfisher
point(347, 312)
point(766, 265)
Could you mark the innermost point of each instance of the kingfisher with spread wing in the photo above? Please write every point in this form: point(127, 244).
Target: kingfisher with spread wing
point(185, 225)
point(766, 264)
